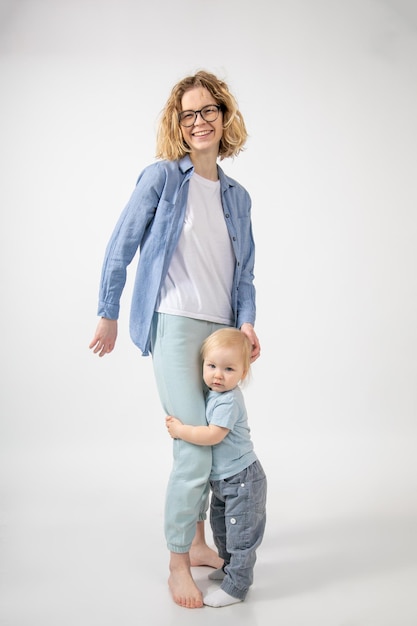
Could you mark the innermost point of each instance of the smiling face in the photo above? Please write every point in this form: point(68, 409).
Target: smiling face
point(202, 136)
point(223, 368)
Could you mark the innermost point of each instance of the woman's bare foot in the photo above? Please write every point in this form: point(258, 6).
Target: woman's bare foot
point(183, 588)
point(200, 553)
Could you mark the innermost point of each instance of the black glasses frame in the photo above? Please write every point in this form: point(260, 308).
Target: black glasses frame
point(195, 113)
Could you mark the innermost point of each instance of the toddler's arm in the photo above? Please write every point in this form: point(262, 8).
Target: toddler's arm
point(199, 435)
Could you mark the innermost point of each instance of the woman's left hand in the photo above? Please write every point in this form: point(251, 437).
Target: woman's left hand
point(249, 331)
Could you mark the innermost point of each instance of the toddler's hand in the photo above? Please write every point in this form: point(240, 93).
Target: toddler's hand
point(172, 424)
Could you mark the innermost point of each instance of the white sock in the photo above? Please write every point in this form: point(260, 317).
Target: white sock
point(220, 598)
point(218, 574)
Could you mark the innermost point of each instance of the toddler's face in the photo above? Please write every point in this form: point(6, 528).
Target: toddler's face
point(223, 368)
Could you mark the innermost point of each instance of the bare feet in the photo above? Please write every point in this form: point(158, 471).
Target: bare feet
point(201, 554)
point(183, 588)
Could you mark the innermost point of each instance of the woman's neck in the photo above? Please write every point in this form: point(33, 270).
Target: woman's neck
point(205, 166)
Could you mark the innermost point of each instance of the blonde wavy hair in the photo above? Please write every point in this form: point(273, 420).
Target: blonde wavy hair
point(228, 338)
point(170, 143)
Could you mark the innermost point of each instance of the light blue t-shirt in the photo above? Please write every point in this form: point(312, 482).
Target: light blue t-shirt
point(235, 452)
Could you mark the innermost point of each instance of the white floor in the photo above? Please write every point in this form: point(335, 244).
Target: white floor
point(83, 540)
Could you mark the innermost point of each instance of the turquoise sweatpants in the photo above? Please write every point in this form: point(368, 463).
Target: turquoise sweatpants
point(175, 347)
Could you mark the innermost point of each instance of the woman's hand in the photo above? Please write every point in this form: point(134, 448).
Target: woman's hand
point(105, 338)
point(249, 331)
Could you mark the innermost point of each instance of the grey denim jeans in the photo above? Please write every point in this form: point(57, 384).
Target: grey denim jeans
point(237, 518)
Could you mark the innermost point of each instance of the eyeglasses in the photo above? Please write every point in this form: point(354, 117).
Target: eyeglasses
point(209, 113)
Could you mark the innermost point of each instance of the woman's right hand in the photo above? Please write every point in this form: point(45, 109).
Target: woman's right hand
point(105, 337)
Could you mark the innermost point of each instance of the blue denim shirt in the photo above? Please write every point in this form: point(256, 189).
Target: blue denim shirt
point(152, 221)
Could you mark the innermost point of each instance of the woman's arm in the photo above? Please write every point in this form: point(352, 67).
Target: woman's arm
point(199, 435)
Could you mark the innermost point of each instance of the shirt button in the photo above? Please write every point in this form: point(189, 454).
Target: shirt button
point(232, 520)
point(242, 484)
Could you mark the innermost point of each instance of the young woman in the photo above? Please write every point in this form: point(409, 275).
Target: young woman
point(192, 224)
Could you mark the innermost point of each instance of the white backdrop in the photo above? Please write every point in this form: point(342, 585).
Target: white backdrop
point(328, 89)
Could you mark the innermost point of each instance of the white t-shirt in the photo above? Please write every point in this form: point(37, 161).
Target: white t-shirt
point(200, 276)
